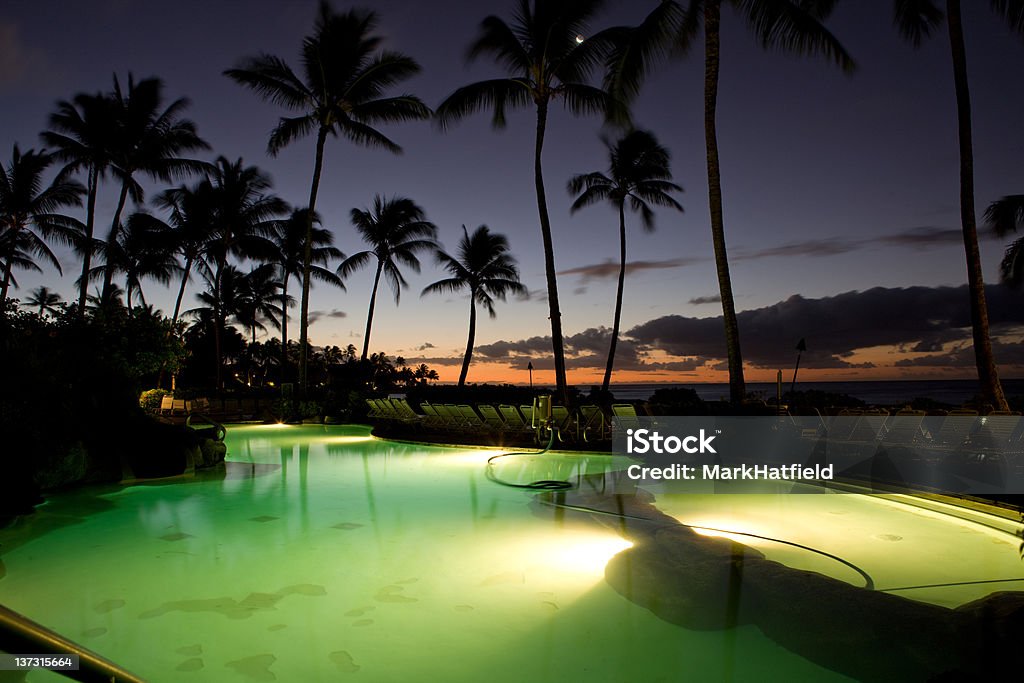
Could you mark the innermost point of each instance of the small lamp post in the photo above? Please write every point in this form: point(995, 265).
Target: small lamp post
point(529, 366)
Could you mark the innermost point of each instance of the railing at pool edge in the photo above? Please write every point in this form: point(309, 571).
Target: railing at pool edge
point(221, 429)
point(18, 633)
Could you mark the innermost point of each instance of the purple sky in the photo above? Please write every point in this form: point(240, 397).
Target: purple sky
point(832, 184)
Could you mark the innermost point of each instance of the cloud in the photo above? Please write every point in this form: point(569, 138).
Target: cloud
point(424, 346)
point(710, 299)
point(915, 318)
point(317, 315)
point(922, 237)
point(610, 268)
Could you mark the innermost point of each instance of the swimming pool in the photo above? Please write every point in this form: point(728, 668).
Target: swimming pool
point(323, 554)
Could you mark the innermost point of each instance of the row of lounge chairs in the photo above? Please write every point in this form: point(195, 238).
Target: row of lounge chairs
point(227, 408)
point(587, 424)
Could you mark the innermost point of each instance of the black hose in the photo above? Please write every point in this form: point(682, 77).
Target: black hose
point(541, 485)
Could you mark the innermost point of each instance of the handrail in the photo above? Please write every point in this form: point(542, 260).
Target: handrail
point(221, 429)
point(19, 634)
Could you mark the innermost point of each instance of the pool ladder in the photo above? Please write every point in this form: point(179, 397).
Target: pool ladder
point(19, 634)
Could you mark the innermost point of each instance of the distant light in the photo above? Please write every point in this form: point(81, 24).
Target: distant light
point(579, 39)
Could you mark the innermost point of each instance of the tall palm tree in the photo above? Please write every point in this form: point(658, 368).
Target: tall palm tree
point(547, 58)
point(84, 132)
point(289, 238)
point(790, 25)
point(396, 230)
point(916, 21)
point(149, 139)
point(144, 248)
point(244, 213)
point(345, 76)
point(486, 269)
point(1004, 216)
point(45, 300)
point(192, 224)
point(638, 172)
point(28, 214)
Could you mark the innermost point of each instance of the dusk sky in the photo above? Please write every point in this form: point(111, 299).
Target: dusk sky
point(840, 192)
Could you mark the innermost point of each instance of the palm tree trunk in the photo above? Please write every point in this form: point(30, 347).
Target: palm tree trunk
point(115, 225)
point(284, 325)
point(618, 298)
point(6, 283)
point(988, 373)
point(307, 256)
point(181, 290)
point(369, 315)
point(217, 308)
point(554, 313)
point(712, 19)
point(90, 223)
point(472, 338)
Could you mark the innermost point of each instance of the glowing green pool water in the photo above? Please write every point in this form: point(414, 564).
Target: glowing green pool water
point(323, 554)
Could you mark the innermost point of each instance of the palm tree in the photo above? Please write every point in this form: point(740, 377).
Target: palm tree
point(1004, 216)
point(547, 59)
point(28, 215)
point(790, 25)
point(342, 92)
point(192, 224)
point(244, 214)
point(45, 300)
point(144, 248)
point(916, 21)
point(258, 298)
point(148, 140)
point(84, 131)
point(396, 229)
point(289, 238)
point(638, 172)
point(486, 269)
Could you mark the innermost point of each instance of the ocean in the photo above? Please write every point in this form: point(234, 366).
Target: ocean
point(885, 393)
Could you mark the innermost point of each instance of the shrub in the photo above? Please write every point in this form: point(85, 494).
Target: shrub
point(151, 398)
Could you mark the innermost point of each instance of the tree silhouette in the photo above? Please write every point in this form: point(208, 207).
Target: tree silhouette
point(396, 230)
point(342, 90)
point(547, 58)
point(485, 268)
point(638, 172)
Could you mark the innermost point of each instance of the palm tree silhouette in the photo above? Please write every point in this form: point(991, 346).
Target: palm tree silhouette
point(342, 92)
point(289, 238)
point(192, 224)
point(244, 212)
point(486, 269)
point(45, 300)
point(547, 58)
point(916, 21)
point(143, 249)
point(789, 25)
point(396, 230)
point(638, 172)
point(1004, 216)
point(28, 214)
point(148, 140)
point(259, 298)
point(83, 134)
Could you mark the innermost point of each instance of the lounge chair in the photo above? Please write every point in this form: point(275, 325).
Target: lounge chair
point(166, 404)
point(514, 421)
point(592, 424)
point(431, 418)
point(904, 428)
point(471, 420)
point(491, 417)
point(374, 412)
point(178, 407)
point(563, 423)
point(955, 429)
point(626, 412)
point(405, 412)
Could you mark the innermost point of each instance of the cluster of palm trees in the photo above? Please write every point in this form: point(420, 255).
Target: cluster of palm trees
point(549, 53)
